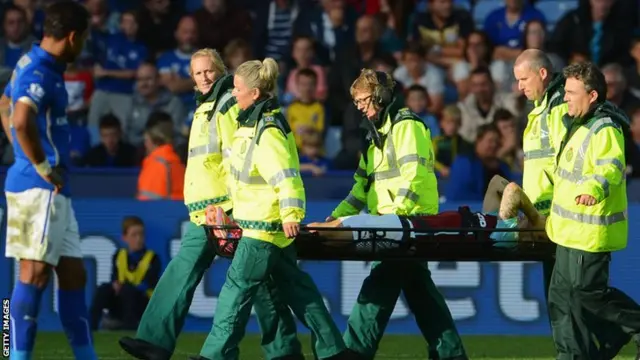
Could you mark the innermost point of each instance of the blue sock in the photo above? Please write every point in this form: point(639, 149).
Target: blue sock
point(72, 310)
point(25, 305)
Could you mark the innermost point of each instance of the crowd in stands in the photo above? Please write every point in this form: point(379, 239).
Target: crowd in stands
point(452, 61)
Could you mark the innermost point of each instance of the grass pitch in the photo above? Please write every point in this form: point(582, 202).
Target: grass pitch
point(53, 346)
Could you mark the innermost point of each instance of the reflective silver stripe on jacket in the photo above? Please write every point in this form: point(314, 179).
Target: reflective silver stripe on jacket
point(394, 164)
point(545, 150)
point(213, 147)
point(355, 202)
point(602, 220)
point(576, 176)
point(245, 177)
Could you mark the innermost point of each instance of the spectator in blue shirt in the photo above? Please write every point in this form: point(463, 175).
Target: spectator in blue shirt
point(16, 41)
point(470, 174)
point(505, 27)
point(311, 160)
point(115, 71)
point(174, 65)
point(417, 101)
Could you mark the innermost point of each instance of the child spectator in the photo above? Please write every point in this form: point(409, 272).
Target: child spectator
point(510, 150)
point(303, 54)
point(135, 273)
point(112, 150)
point(416, 71)
point(235, 53)
point(417, 100)
point(306, 113)
point(311, 160)
point(450, 144)
point(119, 57)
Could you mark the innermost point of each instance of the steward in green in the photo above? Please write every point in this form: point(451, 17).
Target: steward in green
point(395, 176)
point(588, 217)
point(268, 204)
point(541, 142)
point(214, 124)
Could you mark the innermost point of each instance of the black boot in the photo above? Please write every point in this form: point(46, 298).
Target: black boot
point(143, 350)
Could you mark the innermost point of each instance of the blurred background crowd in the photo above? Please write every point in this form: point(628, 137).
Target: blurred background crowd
point(452, 60)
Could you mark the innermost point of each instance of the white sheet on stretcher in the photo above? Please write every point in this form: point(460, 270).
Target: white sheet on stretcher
point(391, 221)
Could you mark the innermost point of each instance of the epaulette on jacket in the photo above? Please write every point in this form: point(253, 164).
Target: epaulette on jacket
point(273, 119)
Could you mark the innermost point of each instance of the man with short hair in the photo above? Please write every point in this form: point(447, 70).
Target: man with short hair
point(588, 217)
point(541, 142)
point(42, 231)
point(148, 97)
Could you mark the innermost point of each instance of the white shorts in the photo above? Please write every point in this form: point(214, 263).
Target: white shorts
point(41, 226)
point(387, 221)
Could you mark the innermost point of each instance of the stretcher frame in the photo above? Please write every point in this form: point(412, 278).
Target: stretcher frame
point(472, 244)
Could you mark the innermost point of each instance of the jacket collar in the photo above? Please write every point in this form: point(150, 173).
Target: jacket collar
point(221, 85)
point(250, 116)
point(389, 112)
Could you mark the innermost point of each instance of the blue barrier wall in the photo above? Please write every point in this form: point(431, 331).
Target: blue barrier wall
point(485, 298)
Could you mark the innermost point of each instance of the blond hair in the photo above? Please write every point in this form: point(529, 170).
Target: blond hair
point(261, 75)
point(368, 81)
point(214, 56)
point(453, 111)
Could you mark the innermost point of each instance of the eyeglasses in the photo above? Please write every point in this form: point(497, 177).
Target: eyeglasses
point(363, 101)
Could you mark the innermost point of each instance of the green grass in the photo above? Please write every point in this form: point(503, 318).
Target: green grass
point(53, 346)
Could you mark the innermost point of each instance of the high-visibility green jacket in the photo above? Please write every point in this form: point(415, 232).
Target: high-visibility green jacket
point(591, 162)
point(541, 142)
point(266, 187)
point(214, 123)
point(399, 178)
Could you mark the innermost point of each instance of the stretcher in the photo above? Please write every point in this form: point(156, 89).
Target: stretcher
point(457, 244)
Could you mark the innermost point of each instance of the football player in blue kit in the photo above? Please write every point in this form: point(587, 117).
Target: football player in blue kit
point(42, 232)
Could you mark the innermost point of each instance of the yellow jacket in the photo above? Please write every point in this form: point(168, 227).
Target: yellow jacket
point(209, 145)
point(266, 187)
point(541, 143)
point(398, 178)
point(591, 162)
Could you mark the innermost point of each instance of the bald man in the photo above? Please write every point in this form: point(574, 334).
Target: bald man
point(541, 141)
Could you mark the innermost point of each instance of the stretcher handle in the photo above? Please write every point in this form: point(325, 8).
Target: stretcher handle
point(421, 231)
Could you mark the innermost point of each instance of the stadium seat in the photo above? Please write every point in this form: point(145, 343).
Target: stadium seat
point(554, 10)
point(483, 8)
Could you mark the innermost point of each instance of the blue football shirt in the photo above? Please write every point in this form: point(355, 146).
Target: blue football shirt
point(38, 81)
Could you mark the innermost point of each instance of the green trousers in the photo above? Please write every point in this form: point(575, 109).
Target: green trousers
point(377, 299)
point(581, 301)
point(254, 262)
point(164, 317)
point(611, 338)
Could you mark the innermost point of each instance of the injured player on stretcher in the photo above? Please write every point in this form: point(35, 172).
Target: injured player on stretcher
point(505, 206)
